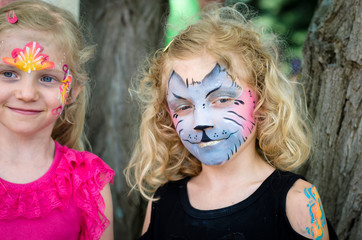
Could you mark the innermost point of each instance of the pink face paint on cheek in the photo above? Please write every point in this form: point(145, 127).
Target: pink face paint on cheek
point(64, 89)
point(244, 106)
point(174, 117)
point(29, 58)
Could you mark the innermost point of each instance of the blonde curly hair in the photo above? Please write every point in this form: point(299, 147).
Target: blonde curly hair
point(59, 23)
point(283, 138)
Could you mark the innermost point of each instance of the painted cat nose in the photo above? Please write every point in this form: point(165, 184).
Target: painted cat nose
point(202, 127)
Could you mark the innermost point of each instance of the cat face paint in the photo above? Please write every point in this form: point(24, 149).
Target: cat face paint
point(214, 117)
point(30, 58)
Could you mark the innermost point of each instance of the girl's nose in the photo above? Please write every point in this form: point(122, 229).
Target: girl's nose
point(27, 91)
point(202, 120)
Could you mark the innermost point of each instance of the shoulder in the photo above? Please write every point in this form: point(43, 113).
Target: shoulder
point(90, 178)
point(84, 163)
point(170, 189)
point(305, 212)
point(165, 197)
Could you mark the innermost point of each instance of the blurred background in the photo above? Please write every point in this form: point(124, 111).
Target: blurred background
point(320, 41)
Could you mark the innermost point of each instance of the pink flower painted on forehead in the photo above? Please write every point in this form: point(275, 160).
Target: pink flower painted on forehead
point(29, 59)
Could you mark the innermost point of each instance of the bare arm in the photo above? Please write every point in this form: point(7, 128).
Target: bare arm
point(108, 212)
point(305, 212)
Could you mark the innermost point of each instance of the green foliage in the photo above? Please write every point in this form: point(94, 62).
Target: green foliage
point(289, 19)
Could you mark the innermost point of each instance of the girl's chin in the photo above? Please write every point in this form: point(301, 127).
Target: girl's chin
point(214, 163)
point(213, 159)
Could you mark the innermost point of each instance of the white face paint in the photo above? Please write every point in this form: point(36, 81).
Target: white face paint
point(212, 117)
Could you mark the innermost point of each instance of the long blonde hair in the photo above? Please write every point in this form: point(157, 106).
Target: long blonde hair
point(283, 138)
point(41, 16)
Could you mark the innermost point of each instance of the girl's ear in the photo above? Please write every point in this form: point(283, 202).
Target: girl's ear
point(73, 94)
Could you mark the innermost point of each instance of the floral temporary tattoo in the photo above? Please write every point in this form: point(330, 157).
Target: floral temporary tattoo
point(29, 59)
point(64, 90)
point(318, 220)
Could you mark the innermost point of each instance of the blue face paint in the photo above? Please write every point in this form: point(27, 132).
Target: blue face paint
point(214, 117)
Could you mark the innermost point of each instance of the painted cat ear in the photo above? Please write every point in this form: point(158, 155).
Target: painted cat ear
point(216, 73)
point(176, 80)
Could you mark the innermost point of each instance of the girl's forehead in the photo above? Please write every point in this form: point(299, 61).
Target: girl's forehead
point(31, 40)
point(194, 68)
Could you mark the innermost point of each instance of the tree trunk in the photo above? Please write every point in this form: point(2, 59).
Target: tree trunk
point(332, 77)
point(125, 32)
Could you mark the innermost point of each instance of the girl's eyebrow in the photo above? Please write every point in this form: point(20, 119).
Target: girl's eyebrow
point(11, 67)
point(177, 96)
point(55, 71)
point(213, 91)
point(3, 65)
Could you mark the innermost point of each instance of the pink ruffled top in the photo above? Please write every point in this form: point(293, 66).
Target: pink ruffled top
point(65, 203)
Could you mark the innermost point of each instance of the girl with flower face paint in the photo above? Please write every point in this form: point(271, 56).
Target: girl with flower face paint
point(216, 141)
point(50, 188)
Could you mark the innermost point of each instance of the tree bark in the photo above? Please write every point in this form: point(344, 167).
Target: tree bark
point(125, 32)
point(332, 78)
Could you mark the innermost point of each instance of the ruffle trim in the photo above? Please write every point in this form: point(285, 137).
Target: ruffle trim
point(81, 175)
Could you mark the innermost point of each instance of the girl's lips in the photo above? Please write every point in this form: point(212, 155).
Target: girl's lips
point(205, 144)
point(25, 111)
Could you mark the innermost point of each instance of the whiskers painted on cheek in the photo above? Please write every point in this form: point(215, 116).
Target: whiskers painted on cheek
point(237, 115)
point(232, 120)
point(238, 102)
point(234, 149)
point(178, 123)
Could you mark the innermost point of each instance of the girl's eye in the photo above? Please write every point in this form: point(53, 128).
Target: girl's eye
point(47, 79)
point(9, 74)
point(182, 108)
point(223, 100)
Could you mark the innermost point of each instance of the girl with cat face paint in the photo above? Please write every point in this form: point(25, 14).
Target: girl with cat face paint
point(213, 117)
point(221, 128)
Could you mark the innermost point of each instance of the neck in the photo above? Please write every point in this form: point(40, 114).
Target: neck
point(224, 185)
point(246, 167)
point(20, 149)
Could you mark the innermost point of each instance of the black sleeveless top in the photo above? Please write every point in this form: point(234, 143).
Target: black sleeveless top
point(261, 216)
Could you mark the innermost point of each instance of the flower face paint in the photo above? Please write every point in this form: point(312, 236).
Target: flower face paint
point(214, 117)
point(64, 90)
point(33, 89)
point(29, 59)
